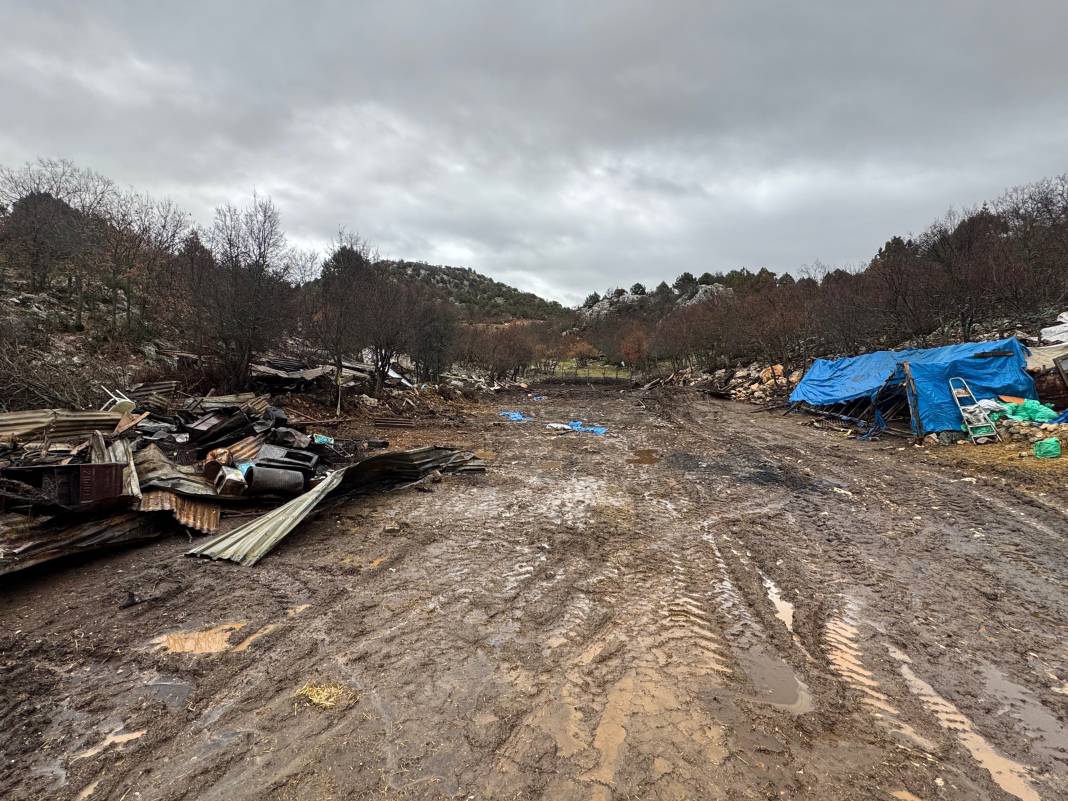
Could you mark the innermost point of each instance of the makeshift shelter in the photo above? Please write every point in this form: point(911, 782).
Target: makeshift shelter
point(874, 388)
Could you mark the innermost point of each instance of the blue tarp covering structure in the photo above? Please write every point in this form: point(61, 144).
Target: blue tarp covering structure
point(990, 368)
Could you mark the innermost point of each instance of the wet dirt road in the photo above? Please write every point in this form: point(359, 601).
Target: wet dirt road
point(707, 603)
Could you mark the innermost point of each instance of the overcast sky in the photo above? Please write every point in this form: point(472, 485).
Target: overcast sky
point(561, 147)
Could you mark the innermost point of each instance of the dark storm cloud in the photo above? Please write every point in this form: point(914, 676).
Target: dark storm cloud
point(562, 147)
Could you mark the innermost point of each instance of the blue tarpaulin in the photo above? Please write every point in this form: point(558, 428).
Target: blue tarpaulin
point(578, 425)
point(515, 417)
point(990, 368)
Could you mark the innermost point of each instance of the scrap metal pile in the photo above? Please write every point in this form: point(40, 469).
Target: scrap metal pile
point(156, 462)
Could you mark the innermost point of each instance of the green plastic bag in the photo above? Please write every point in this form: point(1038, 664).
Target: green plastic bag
point(1030, 411)
point(1048, 448)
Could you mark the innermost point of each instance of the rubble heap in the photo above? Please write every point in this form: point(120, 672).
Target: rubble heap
point(154, 459)
point(759, 384)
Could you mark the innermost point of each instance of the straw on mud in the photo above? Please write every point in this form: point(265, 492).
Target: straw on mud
point(325, 696)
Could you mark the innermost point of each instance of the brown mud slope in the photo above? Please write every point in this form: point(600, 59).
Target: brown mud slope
point(707, 603)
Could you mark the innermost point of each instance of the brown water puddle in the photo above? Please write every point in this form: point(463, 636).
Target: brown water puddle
point(217, 638)
point(115, 738)
point(645, 456)
point(1010, 776)
point(203, 641)
point(784, 610)
point(776, 682)
point(1043, 730)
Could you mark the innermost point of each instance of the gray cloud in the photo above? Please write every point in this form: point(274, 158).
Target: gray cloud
point(561, 147)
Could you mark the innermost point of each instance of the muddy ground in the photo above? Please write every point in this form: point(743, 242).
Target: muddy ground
point(706, 603)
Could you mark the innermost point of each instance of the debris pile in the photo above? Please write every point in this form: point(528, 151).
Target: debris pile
point(759, 384)
point(1032, 423)
point(154, 460)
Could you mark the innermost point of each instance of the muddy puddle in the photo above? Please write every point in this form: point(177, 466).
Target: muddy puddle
point(216, 639)
point(644, 456)
point(1009, 775)
point(784, 610)
point(203, 641)
point(1047, 735)
point(776, 683)
point(115, 738)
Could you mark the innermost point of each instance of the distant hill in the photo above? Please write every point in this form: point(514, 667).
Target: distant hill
point(479, 297)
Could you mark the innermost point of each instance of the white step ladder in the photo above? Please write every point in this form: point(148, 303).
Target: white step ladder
point(976, 419)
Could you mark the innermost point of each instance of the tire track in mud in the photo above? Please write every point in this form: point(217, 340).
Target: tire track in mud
point(842, 649)
point(653, 644)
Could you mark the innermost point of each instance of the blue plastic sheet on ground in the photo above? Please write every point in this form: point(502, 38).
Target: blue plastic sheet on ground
point(878, 427)
point(537, 397)
point(516, 417)
point(578, 425)
point(990, 368)
point(1061, 418)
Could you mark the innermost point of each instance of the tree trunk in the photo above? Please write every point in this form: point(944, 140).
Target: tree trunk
point(337, 383)
point(81, 301)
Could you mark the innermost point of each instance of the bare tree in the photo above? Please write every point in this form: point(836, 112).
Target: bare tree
point(250, 304)
point(385, 314)
point(334, 310)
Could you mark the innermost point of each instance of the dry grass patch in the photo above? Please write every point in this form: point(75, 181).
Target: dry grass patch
point(324, 696)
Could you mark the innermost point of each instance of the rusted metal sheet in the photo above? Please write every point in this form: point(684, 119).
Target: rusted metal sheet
point(247, 449)
point(72, 486)
point(196, 513)
point(58, 424)
point(25, 542)
point(118, 451)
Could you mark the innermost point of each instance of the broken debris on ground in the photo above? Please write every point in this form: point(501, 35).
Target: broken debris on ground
point(71, 482)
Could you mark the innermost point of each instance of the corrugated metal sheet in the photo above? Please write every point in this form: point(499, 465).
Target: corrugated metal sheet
point(149, 388)
point(246, 401)
point(247, 449)
point(32, 542)
point(249, 543)
point(59, 424)
point(196, 513)
point(121, 451)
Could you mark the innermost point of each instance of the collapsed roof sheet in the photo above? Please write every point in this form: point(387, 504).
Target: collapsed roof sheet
point(156, 471)
point(1041, 359)
point(199, 514)
point(249, 543)
point(58, 424)
point(26, 542)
